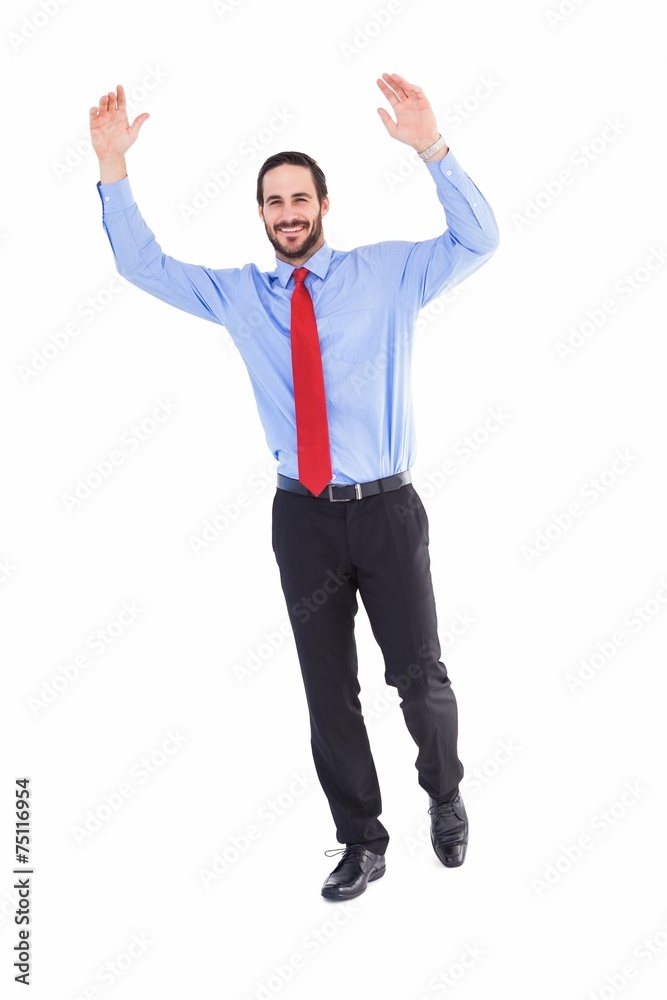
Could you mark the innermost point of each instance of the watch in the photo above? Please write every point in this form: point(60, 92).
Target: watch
point(441, 141)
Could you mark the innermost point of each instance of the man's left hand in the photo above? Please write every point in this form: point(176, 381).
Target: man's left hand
point(415, 122)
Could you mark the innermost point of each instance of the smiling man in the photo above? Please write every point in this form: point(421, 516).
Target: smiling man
point(287, 212)
point(327, 339)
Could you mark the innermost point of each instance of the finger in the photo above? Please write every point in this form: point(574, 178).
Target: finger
point(139, 121)
point(104, 102)
point(112, 100)
point(400, 84)
point(388, 92)
point(94, 112)
point(122, 104)
point(387, 120)
point(395, 81)
point(390, 82)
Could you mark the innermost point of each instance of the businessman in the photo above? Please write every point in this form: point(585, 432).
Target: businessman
point(327, 340)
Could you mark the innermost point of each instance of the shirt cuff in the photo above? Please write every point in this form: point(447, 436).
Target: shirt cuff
point(449, 166)
point(117, 195)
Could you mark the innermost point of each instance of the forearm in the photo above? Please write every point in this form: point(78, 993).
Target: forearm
point(112, 168)
point(420, 271)
point(469, 216)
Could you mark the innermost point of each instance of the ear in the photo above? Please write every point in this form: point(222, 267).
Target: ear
point(325, 205)
point(261, 211)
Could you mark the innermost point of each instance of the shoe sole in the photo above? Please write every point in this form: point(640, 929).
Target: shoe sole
point(378, 873)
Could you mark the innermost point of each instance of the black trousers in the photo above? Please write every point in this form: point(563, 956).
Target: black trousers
point(378, 545)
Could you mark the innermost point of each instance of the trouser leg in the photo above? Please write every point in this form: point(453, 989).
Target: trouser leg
point(319, 583)
point(388, 536)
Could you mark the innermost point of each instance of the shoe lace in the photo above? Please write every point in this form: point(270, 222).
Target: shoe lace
point(356, 851)
point(443, 808)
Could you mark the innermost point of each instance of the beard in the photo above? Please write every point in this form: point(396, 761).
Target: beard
point(301, 250)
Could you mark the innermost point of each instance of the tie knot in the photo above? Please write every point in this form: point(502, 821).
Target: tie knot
point(300, 273)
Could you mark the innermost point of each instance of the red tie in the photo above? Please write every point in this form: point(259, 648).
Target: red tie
point(312, 432)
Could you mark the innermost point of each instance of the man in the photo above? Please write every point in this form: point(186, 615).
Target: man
point(346, 516)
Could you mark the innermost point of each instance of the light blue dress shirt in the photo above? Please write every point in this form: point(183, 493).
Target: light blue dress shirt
point(366, 302)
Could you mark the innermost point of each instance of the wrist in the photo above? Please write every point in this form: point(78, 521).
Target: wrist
point(425, 142)
point(112, 168)
point(440, 154)
point(111, 161)
point(436, 150)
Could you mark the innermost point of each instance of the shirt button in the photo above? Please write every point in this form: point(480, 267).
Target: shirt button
point(474, 204)
point(106, 197)
point(448, 172)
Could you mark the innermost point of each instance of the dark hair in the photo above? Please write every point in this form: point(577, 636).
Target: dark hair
point(299, 160)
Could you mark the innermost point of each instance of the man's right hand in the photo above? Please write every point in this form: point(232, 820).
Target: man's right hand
point(112, 135)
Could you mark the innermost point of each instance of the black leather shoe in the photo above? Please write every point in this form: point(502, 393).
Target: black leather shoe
point(356, 868)
point(449, 831)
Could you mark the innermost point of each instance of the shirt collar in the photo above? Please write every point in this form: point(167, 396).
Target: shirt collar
point(318, 264)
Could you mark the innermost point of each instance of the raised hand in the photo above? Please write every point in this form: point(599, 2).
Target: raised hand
point(110, 132)
point(415, 122)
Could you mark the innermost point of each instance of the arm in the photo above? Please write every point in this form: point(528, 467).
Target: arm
point(139, 258)
point(420, 271)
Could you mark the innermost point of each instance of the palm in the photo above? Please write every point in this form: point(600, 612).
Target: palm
point(415, 121)
point(110, 131)
point(109, 134)
point(410, 115)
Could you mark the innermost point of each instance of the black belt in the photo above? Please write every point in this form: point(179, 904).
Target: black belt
point(347, 491)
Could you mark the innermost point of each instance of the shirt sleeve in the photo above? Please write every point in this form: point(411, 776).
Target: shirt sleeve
point(421, 271)
point(199, 290)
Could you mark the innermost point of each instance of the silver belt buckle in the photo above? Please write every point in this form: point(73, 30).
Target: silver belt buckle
point(357, 492)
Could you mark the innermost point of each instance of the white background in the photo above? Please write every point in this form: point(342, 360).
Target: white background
point(544, 760)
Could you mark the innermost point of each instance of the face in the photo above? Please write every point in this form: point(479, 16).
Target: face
point(291, 213)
